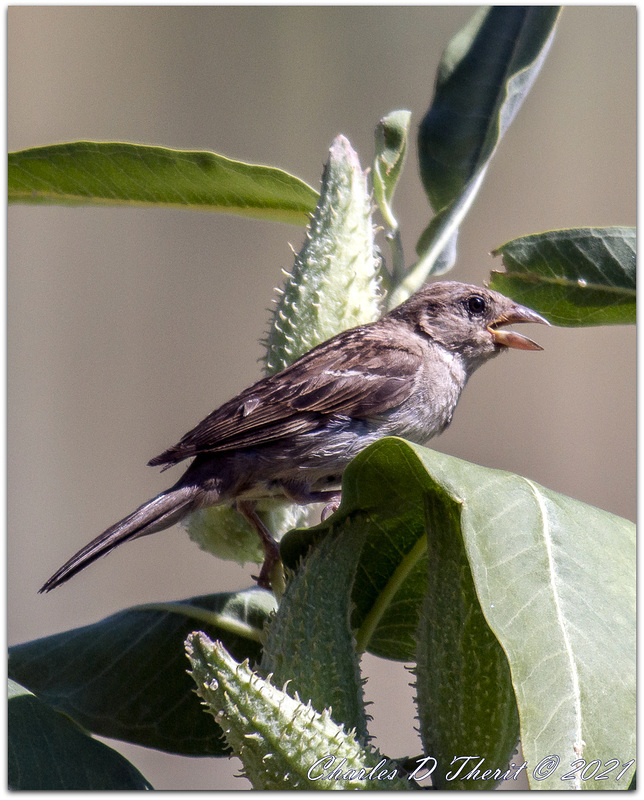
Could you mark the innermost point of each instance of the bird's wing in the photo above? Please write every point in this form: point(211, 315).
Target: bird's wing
point(359, 373)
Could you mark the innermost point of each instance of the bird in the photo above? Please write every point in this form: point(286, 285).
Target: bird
point(291, 435)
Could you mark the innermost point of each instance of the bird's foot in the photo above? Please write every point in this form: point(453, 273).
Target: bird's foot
point(266, 576)
point(330, 508)
point(271, 560)
point(301, 494)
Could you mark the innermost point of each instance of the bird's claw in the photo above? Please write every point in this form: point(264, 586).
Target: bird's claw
point(330, 508)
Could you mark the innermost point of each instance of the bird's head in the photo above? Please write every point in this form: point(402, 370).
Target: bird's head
point(468, 320)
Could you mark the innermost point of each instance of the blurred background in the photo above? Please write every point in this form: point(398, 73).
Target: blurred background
point(127, 326)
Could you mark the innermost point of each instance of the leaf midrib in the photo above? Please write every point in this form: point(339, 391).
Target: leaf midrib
point(365, 633)
point(555, 280)
point(574, 675)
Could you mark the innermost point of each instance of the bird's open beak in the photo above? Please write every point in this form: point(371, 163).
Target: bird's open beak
point(511, 339)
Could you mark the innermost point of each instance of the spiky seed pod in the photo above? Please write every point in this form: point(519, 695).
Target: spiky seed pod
point(225, 533)
point(282, 743)
point(334, 283)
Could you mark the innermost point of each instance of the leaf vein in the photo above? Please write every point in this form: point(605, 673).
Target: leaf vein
point(574, 675)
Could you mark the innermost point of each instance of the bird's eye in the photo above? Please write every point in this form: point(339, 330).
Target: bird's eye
point(475, 304)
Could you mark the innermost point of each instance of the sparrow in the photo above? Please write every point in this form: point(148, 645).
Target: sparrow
point(291, 435)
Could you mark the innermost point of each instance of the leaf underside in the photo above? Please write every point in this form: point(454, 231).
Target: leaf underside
point(122, 174)
point(574, 277)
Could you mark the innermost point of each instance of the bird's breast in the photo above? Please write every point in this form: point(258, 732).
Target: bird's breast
point(430, 406)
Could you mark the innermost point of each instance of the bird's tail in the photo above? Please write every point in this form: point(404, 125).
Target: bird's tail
point(155, 515)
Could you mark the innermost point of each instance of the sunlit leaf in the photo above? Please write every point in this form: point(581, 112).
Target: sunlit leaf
point(120, 174)
point(554, 578)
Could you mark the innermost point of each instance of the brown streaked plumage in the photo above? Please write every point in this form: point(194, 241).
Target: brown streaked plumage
point(297, 400)
point(292, 434)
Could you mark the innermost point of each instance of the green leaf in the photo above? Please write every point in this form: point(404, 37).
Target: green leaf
point(484, 76)
point(125, 676)
point(391, 147)
point(581, 276)
point(283, 743)
point(391, 575)
point(121, 174)
point(555, 580)
point(47, 750)
point(309, 642)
